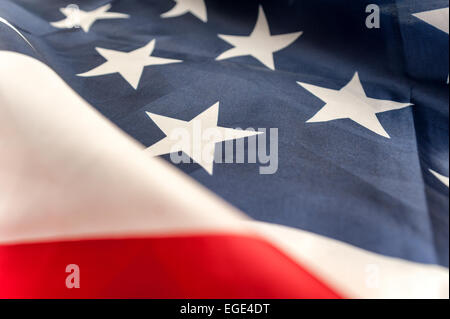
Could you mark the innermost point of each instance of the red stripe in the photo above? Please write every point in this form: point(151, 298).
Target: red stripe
point(175, 267)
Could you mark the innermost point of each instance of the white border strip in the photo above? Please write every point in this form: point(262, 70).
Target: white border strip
point(2, 20)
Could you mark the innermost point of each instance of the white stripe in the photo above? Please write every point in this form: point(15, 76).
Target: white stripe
point(355, 272)
point(17, 31)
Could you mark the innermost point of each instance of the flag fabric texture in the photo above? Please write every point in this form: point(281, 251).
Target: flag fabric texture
point(224, 149)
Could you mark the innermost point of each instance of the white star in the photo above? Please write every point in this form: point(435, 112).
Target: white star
point(196, 7)
point(260, 43)
point(129, 65)
point(85, 19)
point(444, 179)
point(352, 102)
point(437, 18)
point(202, 133)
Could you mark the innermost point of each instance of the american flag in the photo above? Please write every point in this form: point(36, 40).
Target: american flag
point(224, 149)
